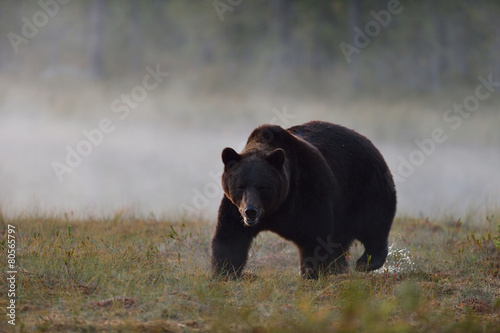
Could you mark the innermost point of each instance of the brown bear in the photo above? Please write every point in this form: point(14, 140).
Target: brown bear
point(319, 185)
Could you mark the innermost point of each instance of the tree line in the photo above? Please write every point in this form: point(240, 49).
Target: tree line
point(416, 45)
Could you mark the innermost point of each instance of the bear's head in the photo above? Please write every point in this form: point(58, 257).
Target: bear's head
point(255, 181)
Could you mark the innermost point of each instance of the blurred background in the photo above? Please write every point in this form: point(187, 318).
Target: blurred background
point(125, 105)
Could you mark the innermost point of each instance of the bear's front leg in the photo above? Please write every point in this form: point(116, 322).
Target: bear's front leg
point(229, 255)
point(231, 242)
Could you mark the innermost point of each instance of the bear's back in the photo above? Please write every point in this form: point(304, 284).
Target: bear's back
point(353, 158)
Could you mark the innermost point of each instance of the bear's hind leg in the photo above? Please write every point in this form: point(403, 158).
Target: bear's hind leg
point(373, 258)
point(339, 265)
point(323, 259)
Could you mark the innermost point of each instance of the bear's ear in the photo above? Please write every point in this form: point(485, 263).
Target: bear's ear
point(276, 158)
point(230, 157)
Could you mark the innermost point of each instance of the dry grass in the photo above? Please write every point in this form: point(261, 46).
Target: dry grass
point(126, 274)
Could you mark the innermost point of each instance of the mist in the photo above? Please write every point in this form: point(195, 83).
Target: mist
point(111, 107)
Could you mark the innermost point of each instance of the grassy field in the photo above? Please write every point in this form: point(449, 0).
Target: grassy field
point(126, 274)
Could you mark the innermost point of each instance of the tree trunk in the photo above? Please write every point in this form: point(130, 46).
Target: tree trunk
point(279, 25)
point(97, 37)
point(135, 35)
point(354, 66)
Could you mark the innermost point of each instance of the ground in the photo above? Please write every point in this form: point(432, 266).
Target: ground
point(129, 274)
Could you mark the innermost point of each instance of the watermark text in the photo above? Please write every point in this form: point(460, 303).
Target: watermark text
point(11, 274)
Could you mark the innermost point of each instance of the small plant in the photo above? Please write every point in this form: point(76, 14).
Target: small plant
point(180, 236)
point(496, 240)
point(69, 253)
point(479, 240)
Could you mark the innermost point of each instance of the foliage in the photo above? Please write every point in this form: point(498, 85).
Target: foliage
point(425, 46)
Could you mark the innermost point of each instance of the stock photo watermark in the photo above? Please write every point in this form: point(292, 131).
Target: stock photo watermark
point(454, 117)
point(212, 189)
point(30, 28)
point(121, 108)
point(223, 6)
point(373, 28)
point(327, 246)
point(11, 274)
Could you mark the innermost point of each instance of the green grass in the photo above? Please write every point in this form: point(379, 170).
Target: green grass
point(126, 274)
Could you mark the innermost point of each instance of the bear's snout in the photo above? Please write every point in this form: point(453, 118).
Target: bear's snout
point(251, 215)
point(251, 212)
